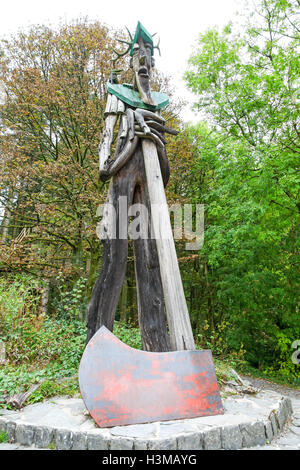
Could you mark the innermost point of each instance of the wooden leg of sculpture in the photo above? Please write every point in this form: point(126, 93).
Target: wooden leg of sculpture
point(107, 289)
point(181, 334)
point(151, 309)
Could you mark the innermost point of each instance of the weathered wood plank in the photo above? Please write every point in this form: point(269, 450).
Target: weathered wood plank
point(151, 309)
point(130, 182)
point(181, 335)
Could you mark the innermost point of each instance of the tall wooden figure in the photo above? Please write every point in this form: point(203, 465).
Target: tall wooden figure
point(121, 385)
point(139, 170)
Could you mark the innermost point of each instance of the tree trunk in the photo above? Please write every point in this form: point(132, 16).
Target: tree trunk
point(123, 302)
point(151, 310)
point(45, 297)
point(5, 222)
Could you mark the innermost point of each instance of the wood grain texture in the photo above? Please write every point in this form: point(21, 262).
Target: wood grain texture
point(181, 335)
point(130, 181)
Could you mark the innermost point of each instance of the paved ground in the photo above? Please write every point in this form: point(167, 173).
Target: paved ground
point(290, 439)
point(17, 447)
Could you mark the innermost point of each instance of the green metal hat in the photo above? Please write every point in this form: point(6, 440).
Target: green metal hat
point(141, 32)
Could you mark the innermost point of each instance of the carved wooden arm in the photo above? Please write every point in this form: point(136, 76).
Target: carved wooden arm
point(135, 124)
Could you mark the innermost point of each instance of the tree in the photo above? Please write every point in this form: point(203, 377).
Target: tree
point(51, 123)
point(247, 166)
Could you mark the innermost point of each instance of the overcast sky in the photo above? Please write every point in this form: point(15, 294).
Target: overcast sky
point(178, 24)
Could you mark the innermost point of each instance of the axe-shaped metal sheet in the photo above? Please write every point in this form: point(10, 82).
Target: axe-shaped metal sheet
point(121, 385)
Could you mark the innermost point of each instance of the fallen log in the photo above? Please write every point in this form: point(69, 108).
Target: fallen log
point(19, 399)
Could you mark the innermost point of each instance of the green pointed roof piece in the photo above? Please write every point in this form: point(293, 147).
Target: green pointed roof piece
point(143, 33)
point(128, 95)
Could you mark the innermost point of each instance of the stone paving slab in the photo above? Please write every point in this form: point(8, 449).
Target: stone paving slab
point(289, 438)
point(65, 424)
point(7, 446)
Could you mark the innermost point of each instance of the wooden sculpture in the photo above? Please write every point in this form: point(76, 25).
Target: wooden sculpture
point(121, 385)
point(139, 171)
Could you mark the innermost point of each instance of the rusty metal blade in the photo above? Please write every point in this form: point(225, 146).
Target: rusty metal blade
point(121, 385)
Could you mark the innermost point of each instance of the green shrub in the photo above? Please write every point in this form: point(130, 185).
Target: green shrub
point(283, 367)
point(3, 437)
point(32, 337)
point(44, 347)
point(128, 335)
point(52, 388)
point(215, 339)
point(69, 301)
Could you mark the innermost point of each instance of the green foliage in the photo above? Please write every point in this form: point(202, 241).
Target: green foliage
point(224, 370)
point(55, 81)
point(37, 346)
point(69, 302)
point(283, 367)
point(40, 347)
point(31, 336)
point(128, 335)
point(3, 437)
point(18, 295)
point(57, 345)
point(216, 340)
point(52, 388)
point(51, 446)
point(245, 171)
point(19, 379)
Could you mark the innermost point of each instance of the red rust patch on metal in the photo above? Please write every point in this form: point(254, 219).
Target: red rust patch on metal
point(121, 385)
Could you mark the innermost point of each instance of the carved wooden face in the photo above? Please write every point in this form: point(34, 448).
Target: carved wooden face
point(142, 62)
